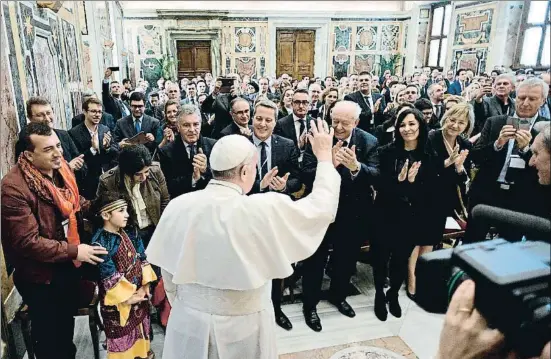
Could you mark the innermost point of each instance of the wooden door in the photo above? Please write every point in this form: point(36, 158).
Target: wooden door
point(193, 58)
point(295, 52)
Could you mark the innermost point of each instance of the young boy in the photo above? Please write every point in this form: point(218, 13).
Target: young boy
point(125, 276)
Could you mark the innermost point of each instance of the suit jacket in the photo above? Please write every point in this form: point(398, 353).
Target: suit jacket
point(455, 88)
point(125, 129)
point(178, 167)
point(355, 191)
point(187, 101)
point(490, 162)
point(156, 112)
point(232, 129)
point(154, 191)
point(111, 104)
point(220, 107)
point(285, 156)
point(315, 111)
point(102, 161)
point(489, 107)
point(106, 119)
point(285, 127)
point(366, 115)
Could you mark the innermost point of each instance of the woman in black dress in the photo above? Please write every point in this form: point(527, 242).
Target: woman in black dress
point(385, 131)
point(402, 206)
point(449, 151)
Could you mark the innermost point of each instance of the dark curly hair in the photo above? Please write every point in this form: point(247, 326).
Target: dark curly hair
point(132, 159)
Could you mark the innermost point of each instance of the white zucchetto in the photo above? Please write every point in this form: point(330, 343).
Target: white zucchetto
point(229, 152)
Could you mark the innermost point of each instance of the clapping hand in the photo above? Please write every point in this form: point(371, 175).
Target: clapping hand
point(279, 184)
point(95, 140)
point(460, 160)
point(412, 173)
point(150, 137)
point(377, 105)
point(453, 157)
point(168, 134)
point(302, 140)
point(107, 140)
point(246, 131)
point(404, 172)
point(77, 163)
point(268, 177)
point(335, 151)
point(199, 164)
point(347, 156)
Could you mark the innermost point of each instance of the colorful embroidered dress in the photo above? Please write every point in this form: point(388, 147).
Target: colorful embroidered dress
point(123, 271)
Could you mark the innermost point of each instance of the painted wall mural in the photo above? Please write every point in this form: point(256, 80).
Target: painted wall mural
point(358, 46)
point(473, 27)
point(149, 40)
point(151, 70)
point(342, 38)
point(245, 47)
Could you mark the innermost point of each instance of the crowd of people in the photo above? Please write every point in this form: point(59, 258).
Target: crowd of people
point(411, 152)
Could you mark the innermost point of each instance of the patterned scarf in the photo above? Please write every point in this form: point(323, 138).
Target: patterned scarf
point(66, 199)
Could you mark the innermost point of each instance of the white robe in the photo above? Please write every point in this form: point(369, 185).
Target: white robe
point(219, 251)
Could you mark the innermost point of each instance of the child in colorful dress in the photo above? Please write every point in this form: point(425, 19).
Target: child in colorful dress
point(125, 276)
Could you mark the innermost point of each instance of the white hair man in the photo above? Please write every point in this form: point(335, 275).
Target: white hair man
point(184, 161)
point(504, 179)
point(219, 251)
point(355, 158)
point(500, 103)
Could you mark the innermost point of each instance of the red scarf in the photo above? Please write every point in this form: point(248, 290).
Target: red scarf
point(67, 199)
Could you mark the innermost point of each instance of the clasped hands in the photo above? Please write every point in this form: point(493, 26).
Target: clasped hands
point(199, 165)
point(508, 132)
point(345, 156)
point(141, 295)
point(409, 174)
point(274, 182)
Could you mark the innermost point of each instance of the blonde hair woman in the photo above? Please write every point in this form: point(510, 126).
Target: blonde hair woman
point(329, 97)
point(450, 152)
point(452, 100)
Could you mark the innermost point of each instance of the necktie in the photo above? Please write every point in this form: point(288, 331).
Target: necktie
point(263, 160)
point(302, 127)
point(138, 125)
point(122, 108)
point(438, 111)
point(345, 143)
point(191, 152)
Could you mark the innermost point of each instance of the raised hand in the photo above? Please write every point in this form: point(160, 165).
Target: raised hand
point(246, 131)
point(404, 172)
point(412, 173)
point(321, 139)
point(507, 132)
point(200, 161)
point(268, 177)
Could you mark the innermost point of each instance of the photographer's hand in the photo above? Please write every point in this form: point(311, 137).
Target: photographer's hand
point(466, 334)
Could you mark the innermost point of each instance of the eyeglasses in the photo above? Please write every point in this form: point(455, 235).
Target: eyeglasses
point(137, 106)
point(95, 112)
point(299, 103)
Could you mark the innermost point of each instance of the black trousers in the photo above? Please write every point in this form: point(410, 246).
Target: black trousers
point(390, 257)
point(277, 293)
point(346, 242)
point(51, 309)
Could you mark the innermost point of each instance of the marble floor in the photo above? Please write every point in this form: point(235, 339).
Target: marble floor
point(418, 329)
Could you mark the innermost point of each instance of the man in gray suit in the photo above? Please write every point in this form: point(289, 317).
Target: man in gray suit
point(501, 103)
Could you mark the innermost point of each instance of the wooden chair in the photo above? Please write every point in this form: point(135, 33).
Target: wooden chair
point(89, 295)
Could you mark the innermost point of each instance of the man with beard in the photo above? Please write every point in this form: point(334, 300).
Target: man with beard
point(436, 96)
point(184, 161)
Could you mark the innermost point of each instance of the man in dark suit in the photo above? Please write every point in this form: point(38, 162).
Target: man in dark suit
point(219, 104)
point(355, 158)
point(40, 110)
point(111, 97)
point(94, 141)
point(485, 105)
point(153, 108)
point(278, 171)
point(296, 125)
point(184, 161)
point(241, 114)
point(436, 97)
point(369, 103)
point(137, 122)
point(502, 153)
point(264, 89)
point(106, 118)
point(314, 91)
point(191, 98)
point(457, 87)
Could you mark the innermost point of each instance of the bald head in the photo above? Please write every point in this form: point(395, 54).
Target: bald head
point(345, 116)
point(315, 92)
point(173, 91)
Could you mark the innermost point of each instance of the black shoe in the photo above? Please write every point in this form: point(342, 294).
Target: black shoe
point(393, 304)
point(387, 282)
point(380, 306)
point(410, 296)
point(312, 319)
point(282, 320)
point(344, 308)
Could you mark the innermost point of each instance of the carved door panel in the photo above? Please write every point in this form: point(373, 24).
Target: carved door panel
point(295, 53)
point(193, 58)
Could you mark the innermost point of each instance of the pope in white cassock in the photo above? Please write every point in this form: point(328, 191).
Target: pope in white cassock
point(220, 249)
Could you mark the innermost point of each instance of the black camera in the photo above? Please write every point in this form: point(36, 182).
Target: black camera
point(512, 283)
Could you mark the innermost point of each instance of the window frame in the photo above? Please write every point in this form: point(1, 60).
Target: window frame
point(524, 25)
point(430, 38)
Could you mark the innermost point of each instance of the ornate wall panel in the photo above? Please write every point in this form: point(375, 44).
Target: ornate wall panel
point(245, 47)
point(149, 40)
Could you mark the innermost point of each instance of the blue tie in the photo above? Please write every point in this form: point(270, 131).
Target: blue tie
point(138, 125)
